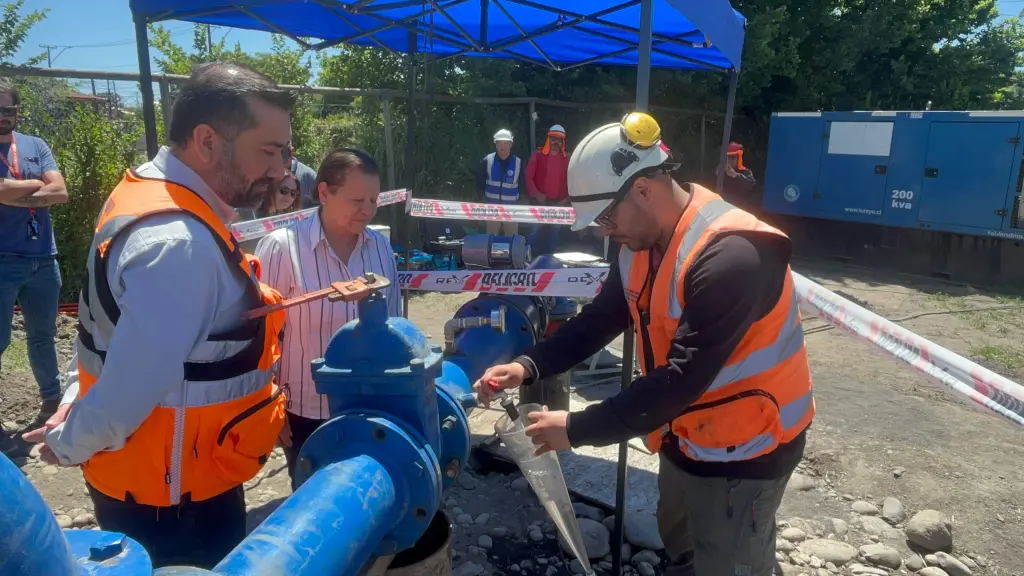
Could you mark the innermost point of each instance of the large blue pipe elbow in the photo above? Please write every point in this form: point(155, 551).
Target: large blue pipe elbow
point(331, 525)
point(30, 540)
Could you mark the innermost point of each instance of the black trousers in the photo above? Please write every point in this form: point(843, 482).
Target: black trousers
point(302, 428)
point(196, 534)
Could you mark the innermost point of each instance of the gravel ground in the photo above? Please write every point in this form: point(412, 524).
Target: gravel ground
point(899, 477)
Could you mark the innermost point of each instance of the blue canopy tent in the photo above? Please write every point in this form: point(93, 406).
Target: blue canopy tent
point(557, 34)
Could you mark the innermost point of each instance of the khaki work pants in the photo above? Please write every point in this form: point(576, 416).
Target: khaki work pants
point(717, 526)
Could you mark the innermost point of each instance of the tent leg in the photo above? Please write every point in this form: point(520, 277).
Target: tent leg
point(643, 81)
point(410, 162)
point(643, 65)
point(146, 86)
point(727, 130)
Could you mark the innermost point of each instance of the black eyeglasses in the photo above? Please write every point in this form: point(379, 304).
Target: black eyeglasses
point(288, 192)
point(8, 111)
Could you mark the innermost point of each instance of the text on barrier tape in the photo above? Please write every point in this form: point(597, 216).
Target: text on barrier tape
point(427, 208)
point(567, 282)
point(974, 382)
point(253, 229)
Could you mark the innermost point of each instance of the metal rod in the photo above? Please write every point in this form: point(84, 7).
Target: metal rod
point(620, 471)
point(146, 85)
point(526, 36)
point(273, 27)
point(410, 166)
point(643, 66)
point(389, 150)
point(533, 127)
point(455, 23)
point(726, 130)
point(655, 49)
point(703, 139)
point(166, 106)
point(484, 4)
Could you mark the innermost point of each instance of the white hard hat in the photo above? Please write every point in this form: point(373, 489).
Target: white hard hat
point(557, 129)
point(607, 159)
point(503, 135)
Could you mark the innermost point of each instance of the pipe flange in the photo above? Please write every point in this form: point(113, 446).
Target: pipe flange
point(406, 456)
point(455, 436)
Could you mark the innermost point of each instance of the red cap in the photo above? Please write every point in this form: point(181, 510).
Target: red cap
point(735, 148)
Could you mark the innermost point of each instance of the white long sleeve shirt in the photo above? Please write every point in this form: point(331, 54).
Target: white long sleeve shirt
point(298, 260)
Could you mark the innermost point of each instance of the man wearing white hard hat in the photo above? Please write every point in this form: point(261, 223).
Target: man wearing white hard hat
point(499, 176)
point(725, 398)
point(546, 175)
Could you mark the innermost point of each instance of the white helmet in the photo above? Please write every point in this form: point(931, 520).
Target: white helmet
point(607, 159)
point(503, 135)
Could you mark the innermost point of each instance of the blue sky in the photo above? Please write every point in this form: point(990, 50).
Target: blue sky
point(100, 35)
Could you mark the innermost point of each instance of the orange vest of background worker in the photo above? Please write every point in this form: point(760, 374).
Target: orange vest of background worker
point(763, 396)
point(218, 429)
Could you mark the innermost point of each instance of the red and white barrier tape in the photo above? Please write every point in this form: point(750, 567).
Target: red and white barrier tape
point(568, 282)
point(449, 210)
point(254, 229)
point(976, 383)
point(979, 384)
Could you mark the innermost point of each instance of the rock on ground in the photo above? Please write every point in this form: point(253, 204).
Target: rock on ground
point(865, 508)
point(881, 555)
point(951, 565)
point(800, 482)
point(641, 530)
point(893, 511)
point(838, 553)
point(931, 530)
point(595, 538)
point(932, 571)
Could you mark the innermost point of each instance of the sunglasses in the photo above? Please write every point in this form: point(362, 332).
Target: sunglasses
point(8, 111)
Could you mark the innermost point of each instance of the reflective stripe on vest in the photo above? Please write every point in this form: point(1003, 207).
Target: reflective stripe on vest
point(502, 185)
point(784, 349)
point(226, 391)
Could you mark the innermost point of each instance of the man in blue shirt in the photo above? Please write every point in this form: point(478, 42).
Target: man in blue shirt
point(29, 275)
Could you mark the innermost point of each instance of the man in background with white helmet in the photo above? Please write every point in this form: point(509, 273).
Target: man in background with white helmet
point(500, 177)
point(725, 398)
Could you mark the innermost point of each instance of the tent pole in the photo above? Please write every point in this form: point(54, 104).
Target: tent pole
point(146, 86)
point(727, 130)
point(643, 81)
point(410, 164)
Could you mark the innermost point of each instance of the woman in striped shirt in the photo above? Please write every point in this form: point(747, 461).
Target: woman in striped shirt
point(333, 246)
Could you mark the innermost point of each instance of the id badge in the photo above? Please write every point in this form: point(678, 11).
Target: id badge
point(33, 229)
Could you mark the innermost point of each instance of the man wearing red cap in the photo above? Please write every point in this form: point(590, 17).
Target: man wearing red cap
point(739, 179)
point(547, 185)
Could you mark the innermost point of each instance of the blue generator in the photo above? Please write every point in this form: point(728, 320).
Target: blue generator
point(952, 172)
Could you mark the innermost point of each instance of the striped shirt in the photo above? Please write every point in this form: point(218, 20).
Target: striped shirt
point(297, 260)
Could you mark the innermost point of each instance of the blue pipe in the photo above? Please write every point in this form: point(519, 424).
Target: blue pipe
point(331, 525)
point(31, 542)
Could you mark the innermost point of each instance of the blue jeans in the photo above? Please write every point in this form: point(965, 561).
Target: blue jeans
point(34, 283)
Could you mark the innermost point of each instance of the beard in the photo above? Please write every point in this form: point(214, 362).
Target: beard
point(6, 127)
point(235, 188)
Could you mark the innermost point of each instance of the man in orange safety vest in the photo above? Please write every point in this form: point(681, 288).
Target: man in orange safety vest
point(173, 408)
point(725, 398)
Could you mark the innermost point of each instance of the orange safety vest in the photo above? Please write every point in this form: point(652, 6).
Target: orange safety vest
point(763, 396)
point(216, 430)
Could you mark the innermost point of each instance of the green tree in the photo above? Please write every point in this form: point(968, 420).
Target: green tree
point(14, 29)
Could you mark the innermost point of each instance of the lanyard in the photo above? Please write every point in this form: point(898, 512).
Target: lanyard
point(12, 165)
point(12, 168)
